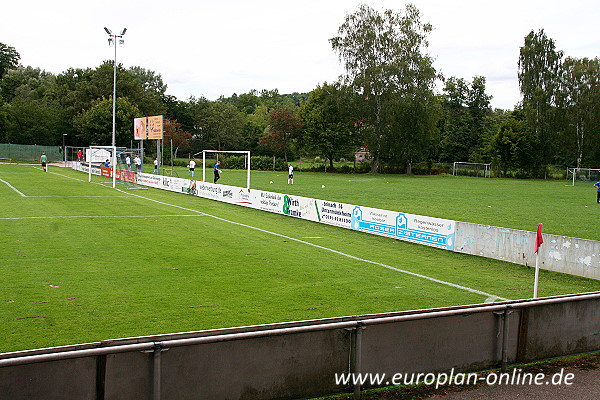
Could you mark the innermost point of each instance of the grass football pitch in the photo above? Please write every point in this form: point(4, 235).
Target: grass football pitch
point(83, 262)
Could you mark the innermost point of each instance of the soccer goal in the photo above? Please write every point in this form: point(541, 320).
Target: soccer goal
point(112, 162)
point(96, 157)
point(217, 152)
point(582, 174)
point(472, 169)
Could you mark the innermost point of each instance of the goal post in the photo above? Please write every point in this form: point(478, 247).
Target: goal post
point(471, 169)
point(582, 174)
point(245, 152)
point(96, 156)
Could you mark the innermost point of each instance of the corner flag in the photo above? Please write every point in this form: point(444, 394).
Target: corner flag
point(538, 239)
point(538, 242)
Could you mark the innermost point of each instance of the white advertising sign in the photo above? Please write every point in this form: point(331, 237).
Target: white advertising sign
point(430, 231)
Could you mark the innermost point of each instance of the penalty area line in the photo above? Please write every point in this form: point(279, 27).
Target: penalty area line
point(13, 188)
point(489, 297)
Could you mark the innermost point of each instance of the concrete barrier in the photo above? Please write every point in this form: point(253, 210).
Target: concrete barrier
point(302, 359)
point(564, 254)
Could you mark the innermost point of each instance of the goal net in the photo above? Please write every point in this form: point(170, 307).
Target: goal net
point(112, 162)
point(583, 175)
point(210, 157)
point(471, 169)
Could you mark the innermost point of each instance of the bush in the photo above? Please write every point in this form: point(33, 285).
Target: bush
point(346, 169)
point(259, 163)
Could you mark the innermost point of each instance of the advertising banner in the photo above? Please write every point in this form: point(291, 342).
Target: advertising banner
point(301, 207)
point(294, 206)
point(106, 171)
point(97, 155)
point(224, 193)
point(430, 231)
point(127, 176)
point(148, 127)
point(334, 213)
point(268, 201)
point(435, 232)
point(149, 180)
point(155, 127)
point(139, 129)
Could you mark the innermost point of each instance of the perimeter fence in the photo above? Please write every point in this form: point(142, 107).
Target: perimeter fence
point(29, 152)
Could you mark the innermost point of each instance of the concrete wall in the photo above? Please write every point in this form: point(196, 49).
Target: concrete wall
point(564, 254)
point(300, 359)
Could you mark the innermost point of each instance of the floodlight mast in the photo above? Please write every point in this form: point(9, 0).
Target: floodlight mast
point(112, 41)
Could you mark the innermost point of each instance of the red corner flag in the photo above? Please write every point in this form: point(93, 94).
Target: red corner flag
point(538, 239)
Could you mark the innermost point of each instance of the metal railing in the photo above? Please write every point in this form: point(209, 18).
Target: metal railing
point(300, 359)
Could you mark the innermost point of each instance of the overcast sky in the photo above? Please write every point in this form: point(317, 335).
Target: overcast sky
point(213, 48)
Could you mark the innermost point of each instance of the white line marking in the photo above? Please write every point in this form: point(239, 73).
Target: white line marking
point(69, 197)
point(104, 216)
point(488, 296)
point(13, 188)
point(465, 288)
point(67, 176)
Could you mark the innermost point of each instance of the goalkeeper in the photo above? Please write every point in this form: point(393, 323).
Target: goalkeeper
point(217, 171)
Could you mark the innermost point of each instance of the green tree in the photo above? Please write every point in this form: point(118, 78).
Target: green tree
point(327, 126)
point(480, 114)
point(196, 110)
point(31, 117)
point(283, 128)
point(455, 121)
point(514, 145)
point(9, 58)
point(132, 86)
point(580, 104)
point(255, 126)
point(465, 126)
point(94, 125)
point(3, 121)
point(221, 125)
point(539, 68)
point(150, 81)
point(33, 120)
point(26, 82)
point(384, 58)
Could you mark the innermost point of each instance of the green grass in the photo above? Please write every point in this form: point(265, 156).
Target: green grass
point(510, 203)
point(85, 262)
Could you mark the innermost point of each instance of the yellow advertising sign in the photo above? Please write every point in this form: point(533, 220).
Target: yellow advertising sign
point(148, 128)
point(155, 127)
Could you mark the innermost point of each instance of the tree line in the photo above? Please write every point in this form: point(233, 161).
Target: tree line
point(386, 102)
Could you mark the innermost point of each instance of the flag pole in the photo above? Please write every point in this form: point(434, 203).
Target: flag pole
point(537, 275)
point(538, 242)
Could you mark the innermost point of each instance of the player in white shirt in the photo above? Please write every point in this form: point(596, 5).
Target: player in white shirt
point(191, 166)
point(290, 174)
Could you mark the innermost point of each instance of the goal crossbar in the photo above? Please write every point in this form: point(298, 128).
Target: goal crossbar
point(580, 173)
point(482, 167)
point(245, 152)
point(113, 162)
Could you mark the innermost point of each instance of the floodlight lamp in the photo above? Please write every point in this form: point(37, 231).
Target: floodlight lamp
point(110, 41)
point(108, 30)
point(123, 31)
point(121, 42)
